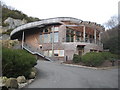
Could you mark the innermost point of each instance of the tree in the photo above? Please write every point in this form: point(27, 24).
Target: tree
point(112, 22)
point(110, 38)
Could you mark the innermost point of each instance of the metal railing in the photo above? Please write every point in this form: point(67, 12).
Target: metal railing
point(35, 51)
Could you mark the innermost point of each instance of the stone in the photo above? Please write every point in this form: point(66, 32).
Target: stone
point(4, 79)
point(32, 75)
point(21, 79)
point(11, 83)
point(13, 23)
point(34, 70)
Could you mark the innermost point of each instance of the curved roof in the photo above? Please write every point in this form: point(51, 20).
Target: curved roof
point(50, 21)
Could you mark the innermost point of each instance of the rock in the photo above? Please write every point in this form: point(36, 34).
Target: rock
point(32, 75)
point(11, 83)
point(0, 81)
point(34, 70)
point(4, 79)
point(13, 23)
point(21, 79)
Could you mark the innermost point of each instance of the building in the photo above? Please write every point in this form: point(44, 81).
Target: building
point(59, 38)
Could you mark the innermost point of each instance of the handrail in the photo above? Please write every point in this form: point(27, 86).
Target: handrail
point(35, 52)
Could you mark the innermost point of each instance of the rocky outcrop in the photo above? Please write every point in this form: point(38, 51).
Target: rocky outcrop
point(13, 23)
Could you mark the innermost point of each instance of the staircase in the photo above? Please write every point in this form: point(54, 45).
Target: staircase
point(35, 51)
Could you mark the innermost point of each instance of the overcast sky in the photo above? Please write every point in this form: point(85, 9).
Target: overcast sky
point(98, 11)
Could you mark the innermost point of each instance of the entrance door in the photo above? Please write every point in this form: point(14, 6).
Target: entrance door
point(80, 49)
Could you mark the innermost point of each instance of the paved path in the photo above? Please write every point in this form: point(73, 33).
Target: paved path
point(55, 75)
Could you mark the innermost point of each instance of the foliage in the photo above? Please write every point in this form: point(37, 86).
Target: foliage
point(110, 40)
point(9, 43)
point(112, 22)
point(76, 58)
point(113, 45)
point(16, 14)
point(94, 58)
point(16, 62)
point(7, 32)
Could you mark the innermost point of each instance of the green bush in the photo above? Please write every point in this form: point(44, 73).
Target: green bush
point(16, 62)
point(93, 59)
point(76, 58)
point(96, 59)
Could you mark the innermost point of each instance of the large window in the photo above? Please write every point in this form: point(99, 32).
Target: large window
point(56, 37)
point(50, 53)
point(56, 52)
point(73, 35)
point(59, 53)
point(56, 29)
point(46, 36)
point(46, 53)
point(41, 38)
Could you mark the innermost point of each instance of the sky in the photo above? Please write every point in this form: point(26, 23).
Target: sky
point(99, 11)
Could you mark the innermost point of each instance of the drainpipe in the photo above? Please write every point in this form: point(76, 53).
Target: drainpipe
point(22, 39)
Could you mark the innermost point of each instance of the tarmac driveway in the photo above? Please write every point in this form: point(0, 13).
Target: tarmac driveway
point(55, 75)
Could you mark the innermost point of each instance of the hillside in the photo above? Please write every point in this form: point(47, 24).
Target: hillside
point(15, 14)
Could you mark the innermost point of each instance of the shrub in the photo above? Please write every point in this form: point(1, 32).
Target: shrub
point(92, 59)
point(16, 62)
point(76, 58)
point(96, 59)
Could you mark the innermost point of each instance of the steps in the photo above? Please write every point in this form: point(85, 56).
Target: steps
point(35, 51)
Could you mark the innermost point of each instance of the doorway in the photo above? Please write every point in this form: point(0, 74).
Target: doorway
point(80, 49)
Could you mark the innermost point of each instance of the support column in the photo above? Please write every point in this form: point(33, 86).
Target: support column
point(53, 41)
point(100, 38)
point(84, 33)
point(95, 35)
point(22, 39)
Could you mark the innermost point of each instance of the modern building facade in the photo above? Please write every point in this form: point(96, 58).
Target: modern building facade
point(59, 38)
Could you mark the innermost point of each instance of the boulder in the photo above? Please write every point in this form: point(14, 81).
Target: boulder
point(34, 70)
point(32, 75)
point(13, 23)
point(21, 79)
point(4, 79)
point(11, 83)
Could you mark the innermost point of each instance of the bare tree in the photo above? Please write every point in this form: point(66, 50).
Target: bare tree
point(112, 22)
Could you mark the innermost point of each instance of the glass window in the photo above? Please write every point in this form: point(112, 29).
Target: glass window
point(72, 32)
point(56, 52)
point(68, 38)
point(56, 29)
point(56, 37)
point(61, 52)
point(46, 30)
point(72, 38)
point(46, 53)
point(41, 39)
point(50, 53)
point(46, 38)
point(51, 37)
point(78, 38)
point(77, 33)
